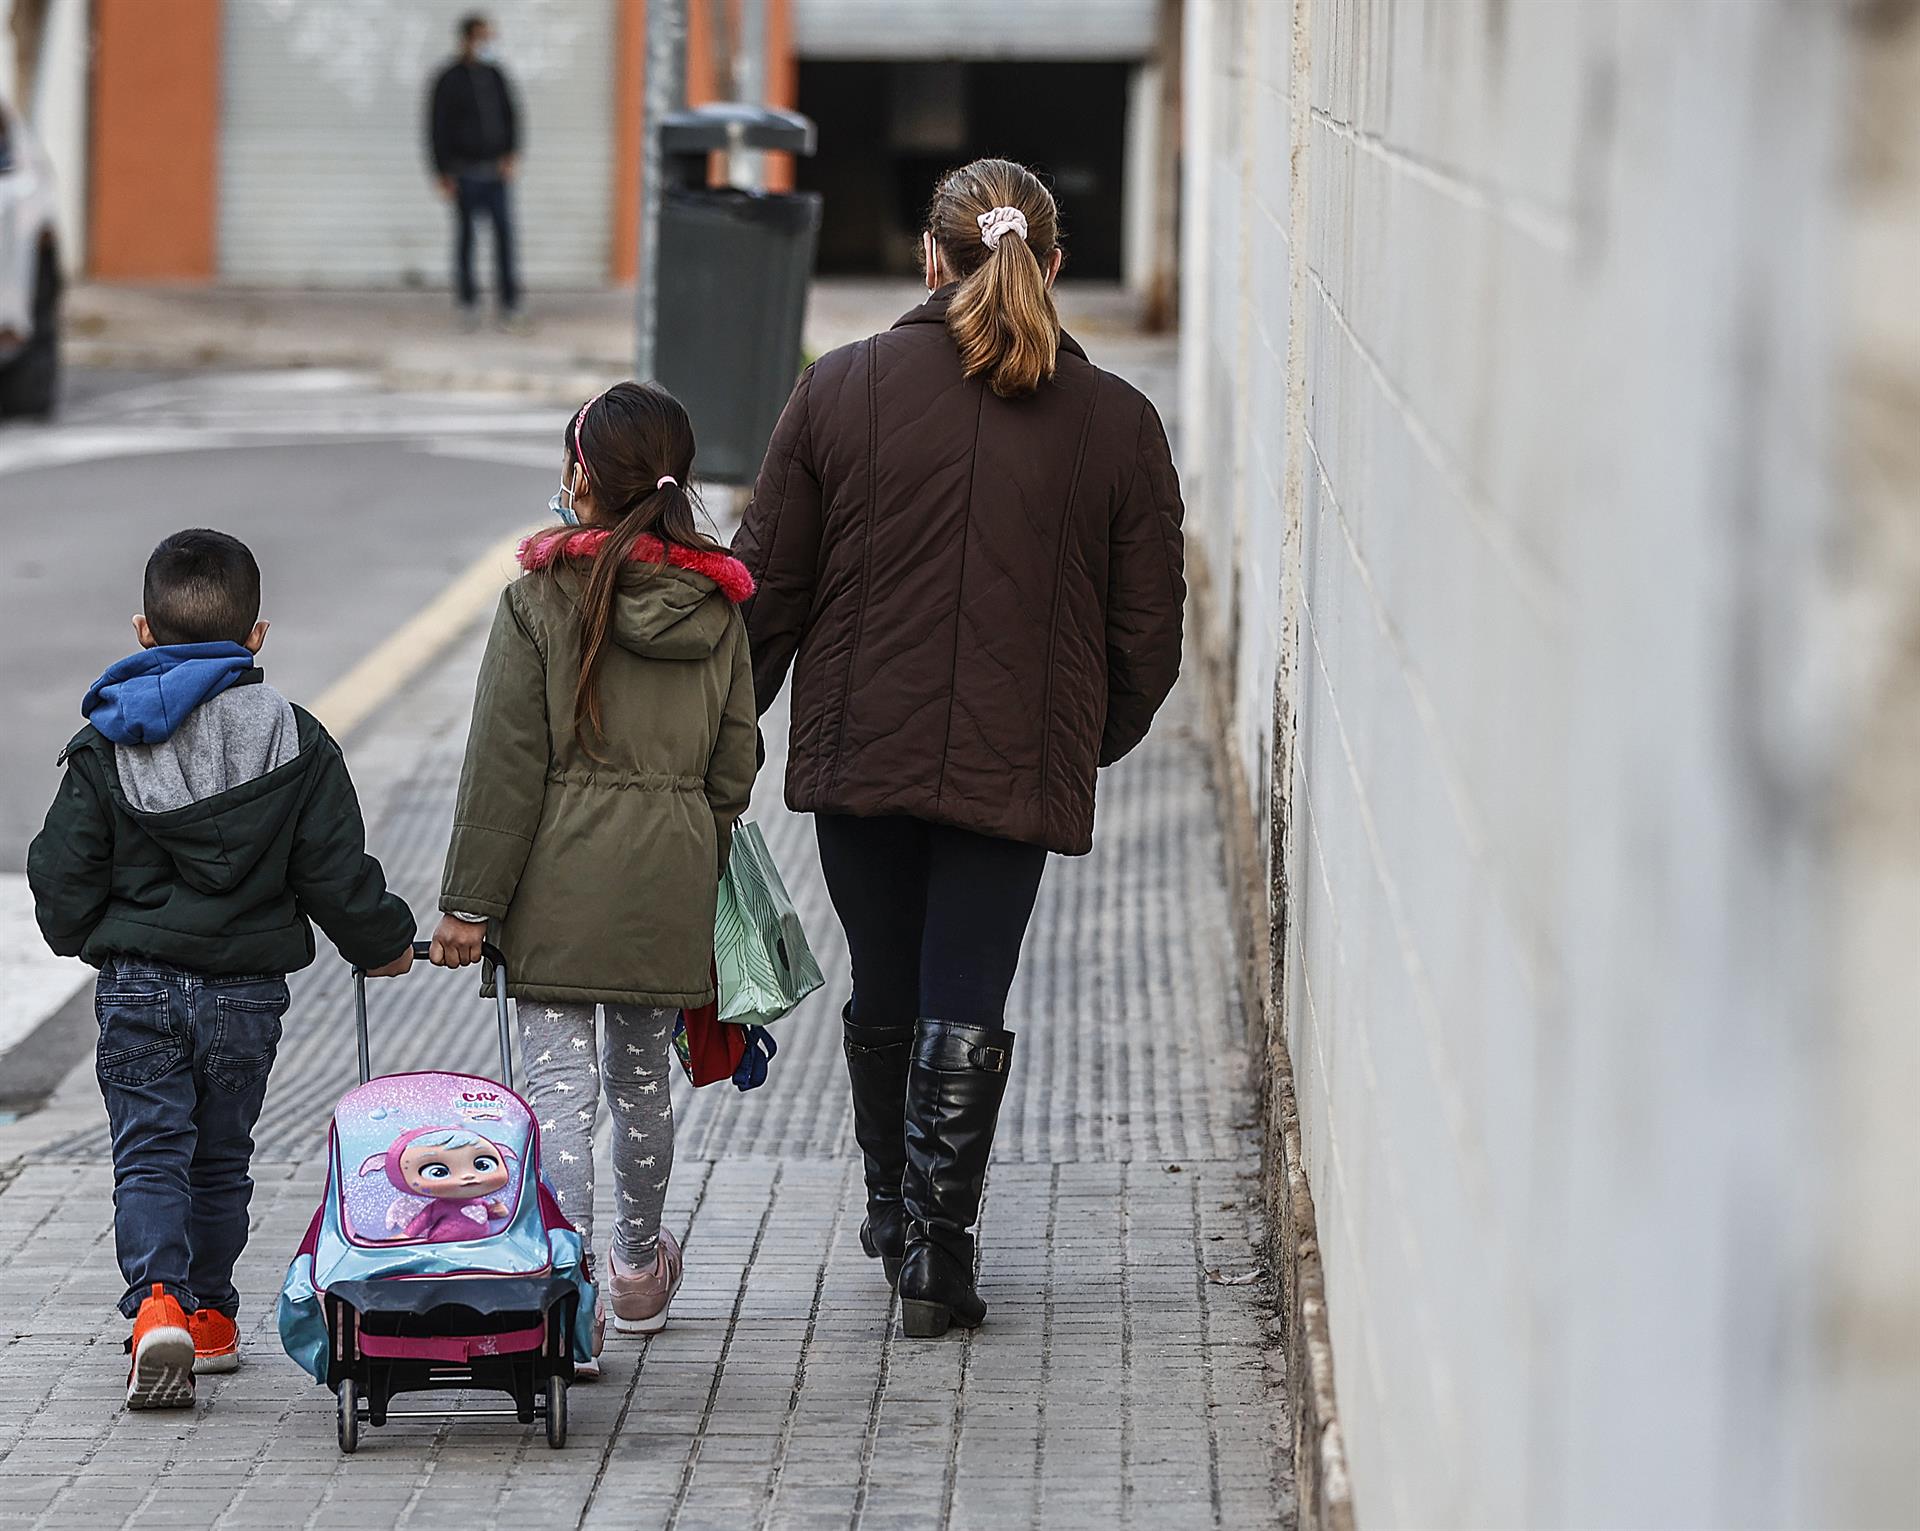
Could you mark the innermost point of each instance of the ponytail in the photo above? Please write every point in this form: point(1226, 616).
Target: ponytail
point(996, 227)
point(1004, 322)
point(596, 613)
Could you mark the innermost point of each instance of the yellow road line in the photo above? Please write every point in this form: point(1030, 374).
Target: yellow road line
point(379, 677)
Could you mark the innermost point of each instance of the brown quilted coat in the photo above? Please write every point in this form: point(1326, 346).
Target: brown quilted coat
point(980, 597)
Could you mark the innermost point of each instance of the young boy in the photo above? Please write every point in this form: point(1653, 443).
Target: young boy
point(203, 821)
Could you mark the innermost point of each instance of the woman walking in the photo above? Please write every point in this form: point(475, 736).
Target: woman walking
point(966, 541)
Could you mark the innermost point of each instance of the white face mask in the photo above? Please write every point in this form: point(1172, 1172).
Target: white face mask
point(488, 53)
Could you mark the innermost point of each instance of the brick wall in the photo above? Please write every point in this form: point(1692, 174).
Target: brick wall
point(1512, 335)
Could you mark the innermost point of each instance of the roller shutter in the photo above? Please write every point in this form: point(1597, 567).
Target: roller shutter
point(324, 177)
point(977, 29)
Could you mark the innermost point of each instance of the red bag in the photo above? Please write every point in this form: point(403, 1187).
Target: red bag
point(710, 1050)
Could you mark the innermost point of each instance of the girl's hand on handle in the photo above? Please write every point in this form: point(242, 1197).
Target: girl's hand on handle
point(395, 968)
point(457, 942)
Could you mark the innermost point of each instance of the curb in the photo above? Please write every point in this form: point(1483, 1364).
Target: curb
point(1321, 1482)
point(542, 384)
point(33, 1068)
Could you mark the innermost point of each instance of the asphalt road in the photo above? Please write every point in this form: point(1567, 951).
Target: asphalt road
point(361, 506)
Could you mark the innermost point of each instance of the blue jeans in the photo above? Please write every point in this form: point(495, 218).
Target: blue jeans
point(183, 1064)
point(484, 196)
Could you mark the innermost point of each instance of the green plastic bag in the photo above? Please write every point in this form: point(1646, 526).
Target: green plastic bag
point(764, 962)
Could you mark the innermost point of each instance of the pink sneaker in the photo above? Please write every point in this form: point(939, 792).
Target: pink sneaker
point(640, 1298)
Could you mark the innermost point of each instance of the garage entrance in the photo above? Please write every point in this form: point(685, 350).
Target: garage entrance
point(890, 128)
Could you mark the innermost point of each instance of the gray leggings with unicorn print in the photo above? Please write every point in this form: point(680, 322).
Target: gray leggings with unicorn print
point(564, 1085)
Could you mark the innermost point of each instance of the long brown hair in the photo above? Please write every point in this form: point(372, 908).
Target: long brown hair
point(635, 444)
point(1002, 318)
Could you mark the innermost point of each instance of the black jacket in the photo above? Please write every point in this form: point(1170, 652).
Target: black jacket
point(471, 120)
point(223, 886)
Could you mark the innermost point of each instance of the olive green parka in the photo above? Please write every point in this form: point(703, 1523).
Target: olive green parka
point(599, 874)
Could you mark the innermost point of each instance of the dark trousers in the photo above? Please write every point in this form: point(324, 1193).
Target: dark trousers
point(183, 1065)
point(934, 916)
point(485, 196)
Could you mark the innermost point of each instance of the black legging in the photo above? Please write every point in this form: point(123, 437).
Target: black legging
point(934, 916)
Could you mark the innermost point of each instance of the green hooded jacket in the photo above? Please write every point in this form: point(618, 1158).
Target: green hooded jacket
point(225, 885)
point(599, 875)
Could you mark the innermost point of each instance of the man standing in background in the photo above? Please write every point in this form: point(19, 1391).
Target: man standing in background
point(474, 134)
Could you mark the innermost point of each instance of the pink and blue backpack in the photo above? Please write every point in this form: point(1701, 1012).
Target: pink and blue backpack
point(438, 1257)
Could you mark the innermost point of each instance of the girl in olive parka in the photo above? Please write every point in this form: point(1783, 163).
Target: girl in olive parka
point(612, 749)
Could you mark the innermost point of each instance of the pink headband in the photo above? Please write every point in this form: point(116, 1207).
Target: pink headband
point(578, 421)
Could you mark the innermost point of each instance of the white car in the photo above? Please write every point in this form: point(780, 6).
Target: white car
point(29, 273)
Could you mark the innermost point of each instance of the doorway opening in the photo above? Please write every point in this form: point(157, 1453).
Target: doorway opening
point(888, 129)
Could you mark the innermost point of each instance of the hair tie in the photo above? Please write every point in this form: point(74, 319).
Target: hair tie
point(999, 221)
point(666, 479)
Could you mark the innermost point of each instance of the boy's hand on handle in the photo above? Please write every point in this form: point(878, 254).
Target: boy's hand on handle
point(457, 942)
point(394, 969)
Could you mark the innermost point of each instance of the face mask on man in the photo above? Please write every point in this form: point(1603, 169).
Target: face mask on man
point(488, 53)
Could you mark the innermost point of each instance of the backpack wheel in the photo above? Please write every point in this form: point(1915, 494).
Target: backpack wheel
point(556, 1412)
point(347, 1415)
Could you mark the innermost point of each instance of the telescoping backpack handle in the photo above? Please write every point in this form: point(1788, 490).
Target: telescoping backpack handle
point(421, 951)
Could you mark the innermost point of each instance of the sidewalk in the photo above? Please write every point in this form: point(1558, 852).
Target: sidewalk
point(1114, 1383)
point(578, 340)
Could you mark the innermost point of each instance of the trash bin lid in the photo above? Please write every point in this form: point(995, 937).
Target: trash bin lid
point(735, 125)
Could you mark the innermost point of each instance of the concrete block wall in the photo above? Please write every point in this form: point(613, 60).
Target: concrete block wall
point(1511, 334)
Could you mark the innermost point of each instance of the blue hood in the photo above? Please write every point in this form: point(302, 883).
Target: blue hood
point(146, 696)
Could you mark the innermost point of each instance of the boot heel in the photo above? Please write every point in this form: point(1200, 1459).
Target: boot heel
point(888, 1263)
point(924, 1320)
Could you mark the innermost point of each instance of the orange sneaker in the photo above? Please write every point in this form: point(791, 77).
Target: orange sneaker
point(161, 1376)
point(216, 1341)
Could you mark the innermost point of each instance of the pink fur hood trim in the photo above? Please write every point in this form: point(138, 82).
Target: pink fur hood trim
point(726, 571)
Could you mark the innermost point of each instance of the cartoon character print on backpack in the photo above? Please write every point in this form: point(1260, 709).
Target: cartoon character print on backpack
point(450, 1179)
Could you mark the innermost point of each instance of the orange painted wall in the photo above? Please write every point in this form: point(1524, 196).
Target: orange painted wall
point(154, 179)
point(701, 70)
point(629, 111)
point(703, 75)
point(783, 83)
point(629, 106)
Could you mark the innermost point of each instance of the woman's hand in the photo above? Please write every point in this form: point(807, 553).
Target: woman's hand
point(457, 942)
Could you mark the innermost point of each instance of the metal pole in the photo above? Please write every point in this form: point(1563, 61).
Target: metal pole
point(666, 92)
point(747, 168)
point(360, 1024)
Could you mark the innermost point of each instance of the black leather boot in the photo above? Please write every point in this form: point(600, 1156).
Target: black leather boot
point(877, 1059)
point(954, 1088)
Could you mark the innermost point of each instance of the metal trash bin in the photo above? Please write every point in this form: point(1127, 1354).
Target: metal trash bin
point(732, 283)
